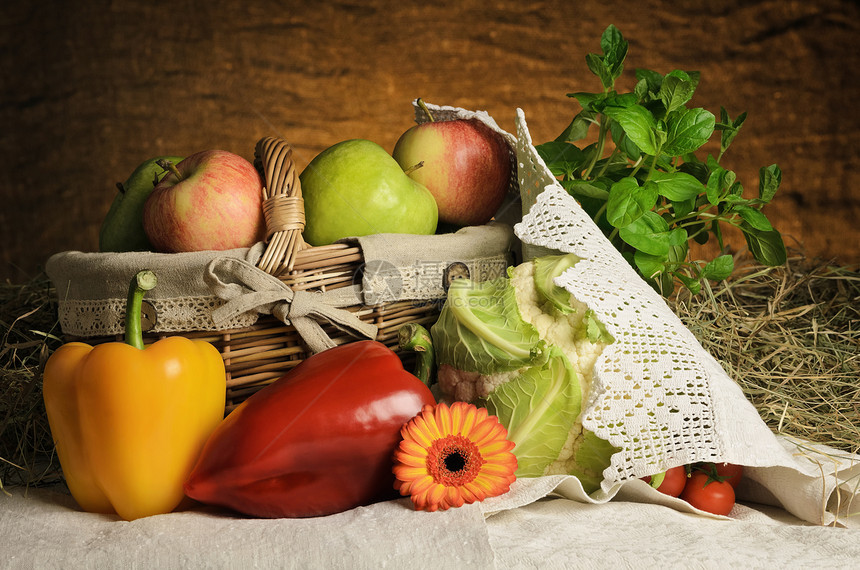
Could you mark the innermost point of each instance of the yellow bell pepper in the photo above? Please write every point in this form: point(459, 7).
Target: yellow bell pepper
point(129, 421)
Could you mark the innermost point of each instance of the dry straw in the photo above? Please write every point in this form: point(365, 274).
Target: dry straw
point(789, 335)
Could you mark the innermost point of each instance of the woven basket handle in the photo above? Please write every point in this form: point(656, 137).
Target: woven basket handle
point(283, 206)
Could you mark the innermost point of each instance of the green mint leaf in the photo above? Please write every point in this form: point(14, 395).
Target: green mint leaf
point(563, 159)
point(694, 77)
point(697, 169)
point(638, 124)
point(729, 128)
point(641, 90)
point(754, 218)
point(688, 130)
point(719, 268)
point(681, 208)
point(691, 283)
point(675, 92)
point(628, 201)
point(584, 189)
point(653, 79)
point(719, 180)
point(578, 127)
point(678, 238)
point(614, 48)
point(586, 100)
point(649, 233)
point(622, 100)
point(767, 247)
point(691, 76)
point(649, 266)
point(598, 67)
point(769, 180)
point(623, 142)
point(676, 186)
point(728, 182)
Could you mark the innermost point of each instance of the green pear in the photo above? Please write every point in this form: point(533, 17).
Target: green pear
point(122, 228)
point(355, 188)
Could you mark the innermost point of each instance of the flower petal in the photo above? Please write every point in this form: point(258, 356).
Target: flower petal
point(436, 494)
point(417, 486)
point(495, 447)
point(453, 497)
point(443, 419)
point(407, 473)
point(419, 432)
point(457, 415)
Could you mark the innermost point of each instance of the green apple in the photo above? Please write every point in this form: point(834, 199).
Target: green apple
point(355, 188)
point(122, 228)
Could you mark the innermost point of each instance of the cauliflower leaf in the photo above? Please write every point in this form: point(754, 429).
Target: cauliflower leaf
point(480, 329)
point(538, 408)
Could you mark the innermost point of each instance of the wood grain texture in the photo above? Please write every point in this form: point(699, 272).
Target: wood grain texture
point(92, 88)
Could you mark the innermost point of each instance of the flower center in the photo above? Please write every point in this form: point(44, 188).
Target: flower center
point(454, 460)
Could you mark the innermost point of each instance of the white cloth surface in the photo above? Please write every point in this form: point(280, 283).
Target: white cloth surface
point(45, 530)
point(530, 527)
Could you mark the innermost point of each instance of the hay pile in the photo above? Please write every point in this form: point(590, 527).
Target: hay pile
point(29, 332)
point(789, 335)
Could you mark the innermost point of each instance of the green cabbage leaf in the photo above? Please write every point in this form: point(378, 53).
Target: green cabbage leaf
point(547, 268)
point(480, 329)
point(538, 408)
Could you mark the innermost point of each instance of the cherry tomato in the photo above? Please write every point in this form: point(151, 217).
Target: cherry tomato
point(674, 480)
point(732, 473)
point(706, 494)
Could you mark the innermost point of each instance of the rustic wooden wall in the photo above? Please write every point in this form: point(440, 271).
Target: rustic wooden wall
point(91, 88)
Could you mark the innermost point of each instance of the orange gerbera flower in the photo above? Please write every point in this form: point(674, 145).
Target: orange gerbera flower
point(452, 456)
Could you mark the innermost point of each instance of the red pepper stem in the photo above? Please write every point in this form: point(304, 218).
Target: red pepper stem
point(140, 284)
point(416, 338)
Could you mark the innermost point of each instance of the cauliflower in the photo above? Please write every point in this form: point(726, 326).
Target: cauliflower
point(525, 348)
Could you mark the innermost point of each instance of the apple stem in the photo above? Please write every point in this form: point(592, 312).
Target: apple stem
point(168, 165)
point(413, 168)
point(424, 107)
point(120, 187)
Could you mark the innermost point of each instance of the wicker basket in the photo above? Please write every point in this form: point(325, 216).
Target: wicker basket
point(259, 354)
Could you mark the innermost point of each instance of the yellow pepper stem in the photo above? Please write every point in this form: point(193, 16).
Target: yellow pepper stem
point(141, 283)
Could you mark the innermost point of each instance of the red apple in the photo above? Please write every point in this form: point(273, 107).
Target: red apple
point(212, 200)
point(466, 166)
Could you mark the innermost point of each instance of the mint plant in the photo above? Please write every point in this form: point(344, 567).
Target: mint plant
point(642, 182)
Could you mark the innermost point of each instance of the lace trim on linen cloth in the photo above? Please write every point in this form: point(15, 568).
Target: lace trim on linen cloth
point(106, 317)
point(657, 395)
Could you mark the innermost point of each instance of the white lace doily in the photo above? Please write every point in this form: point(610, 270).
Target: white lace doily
point(657, 395)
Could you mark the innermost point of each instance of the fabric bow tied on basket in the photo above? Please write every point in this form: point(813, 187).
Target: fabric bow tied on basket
point(245, 288)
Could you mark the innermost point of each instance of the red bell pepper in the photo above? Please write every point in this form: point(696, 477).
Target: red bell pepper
point(317, 441)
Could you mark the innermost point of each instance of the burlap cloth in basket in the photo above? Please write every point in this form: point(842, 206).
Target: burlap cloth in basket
point(220, 290)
